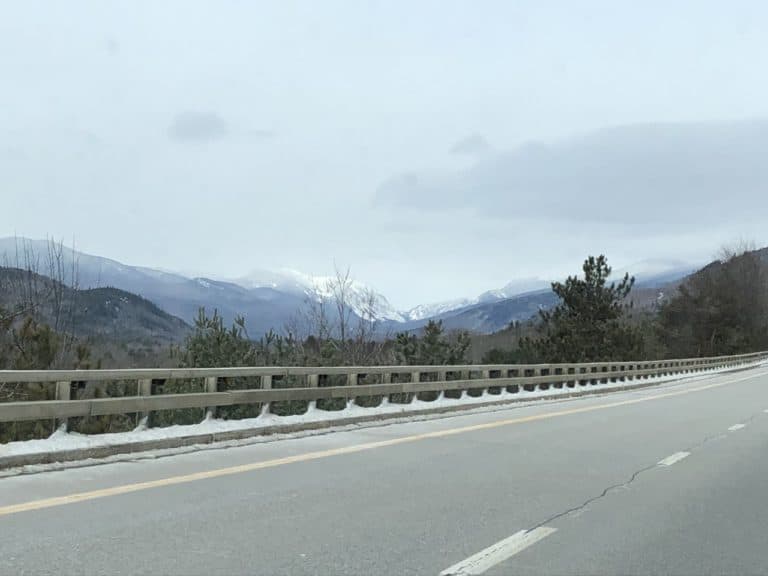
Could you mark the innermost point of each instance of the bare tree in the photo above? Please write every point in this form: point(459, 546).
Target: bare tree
point(339, 324)
point(367, 342)
point(340, 289)
point(39, 289)
point(738, 248)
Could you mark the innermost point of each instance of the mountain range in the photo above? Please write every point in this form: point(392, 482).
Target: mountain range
point(103, 313)
point(270, 299)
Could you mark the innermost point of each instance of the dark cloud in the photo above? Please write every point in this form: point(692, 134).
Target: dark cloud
point(649, 175)
point(198, 127)
point(472, 145)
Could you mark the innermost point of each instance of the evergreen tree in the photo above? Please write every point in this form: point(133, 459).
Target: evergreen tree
point(722, 309)
point(589, 323)
point(212, 345)
point(433, 348)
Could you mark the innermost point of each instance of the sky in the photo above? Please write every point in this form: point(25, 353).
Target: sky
point(439, 149)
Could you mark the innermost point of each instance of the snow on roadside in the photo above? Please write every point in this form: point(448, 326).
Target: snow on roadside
point(62, 440)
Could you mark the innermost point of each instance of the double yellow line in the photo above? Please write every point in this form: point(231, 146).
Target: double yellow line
point(309, 456)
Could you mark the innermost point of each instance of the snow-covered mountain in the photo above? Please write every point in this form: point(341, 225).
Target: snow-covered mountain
point(363, 299)
point(270, 299)
point(267, 299)
point(423, 311)
point(656, 272)
point(510, 290)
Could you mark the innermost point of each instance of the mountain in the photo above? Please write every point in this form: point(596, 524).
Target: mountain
point(271, 299)
point(512, 289)
point(305, 286)
point(521, 300)
point(267, 300)
point(489, 316)
point(96, 312)
point(654, 273)
point(262, 307)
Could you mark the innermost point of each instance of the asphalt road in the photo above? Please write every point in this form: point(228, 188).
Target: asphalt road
point(580, 476)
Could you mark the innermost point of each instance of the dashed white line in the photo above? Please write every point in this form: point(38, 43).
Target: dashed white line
point(736, 427)
point(676, 457)
point(499, 552)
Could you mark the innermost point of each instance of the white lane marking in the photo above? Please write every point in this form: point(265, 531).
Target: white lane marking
point(499, 552)
point(676, 457)
point(736, 427)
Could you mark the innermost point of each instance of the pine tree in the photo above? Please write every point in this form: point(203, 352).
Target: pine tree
point(434, 348)
point(589, 323)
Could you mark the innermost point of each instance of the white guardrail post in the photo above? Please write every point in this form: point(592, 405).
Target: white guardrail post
point(63, 392)
point(266, 384)
point(211, 385)
point(144, 388)
point(352, 379)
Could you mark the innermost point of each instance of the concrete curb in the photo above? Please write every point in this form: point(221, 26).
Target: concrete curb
point(19, 460)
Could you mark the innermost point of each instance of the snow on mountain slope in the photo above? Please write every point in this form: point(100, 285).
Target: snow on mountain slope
point(655, 272)
point(510, 290)
point(361, 297)
point(429, 310)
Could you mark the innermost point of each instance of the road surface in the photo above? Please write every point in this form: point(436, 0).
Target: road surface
point(563, 487)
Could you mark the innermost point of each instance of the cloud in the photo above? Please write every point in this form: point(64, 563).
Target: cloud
point(666, 175)
point(198, 127)
point(259, 134)
point(472, 145)
point(112, 46)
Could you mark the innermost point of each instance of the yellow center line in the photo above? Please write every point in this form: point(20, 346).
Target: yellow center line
point(229, 471)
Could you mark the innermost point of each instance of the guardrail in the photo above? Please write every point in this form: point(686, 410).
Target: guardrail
point(314, 383)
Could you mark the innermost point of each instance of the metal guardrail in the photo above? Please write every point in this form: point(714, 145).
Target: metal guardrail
point(514, 378)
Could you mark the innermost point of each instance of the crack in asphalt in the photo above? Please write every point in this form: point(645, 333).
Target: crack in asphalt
point(620, 485)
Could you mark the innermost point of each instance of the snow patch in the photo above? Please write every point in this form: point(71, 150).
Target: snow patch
point(321, 288)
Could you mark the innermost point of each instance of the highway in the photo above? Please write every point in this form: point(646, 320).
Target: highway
point(563, 487)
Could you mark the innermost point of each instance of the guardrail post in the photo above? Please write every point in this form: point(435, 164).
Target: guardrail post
point(415, 377)
point(211, 385)
point(63, 391)
point(266, 384)
point(144, 389)
point(442, 376)
point(313, 381)
point(486, 374)
point(465, 375)
point(351, 381)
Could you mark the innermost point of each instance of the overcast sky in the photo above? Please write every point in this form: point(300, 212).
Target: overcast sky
point(439, 149)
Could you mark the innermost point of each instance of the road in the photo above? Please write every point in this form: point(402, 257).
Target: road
point(580, 477)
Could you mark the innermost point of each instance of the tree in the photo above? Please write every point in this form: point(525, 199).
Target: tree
point(433, 348)
point(501, 356)
point(589, 324)
point(212, 345)
point(721, 309)
point(39, 290)
point(339, 325)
